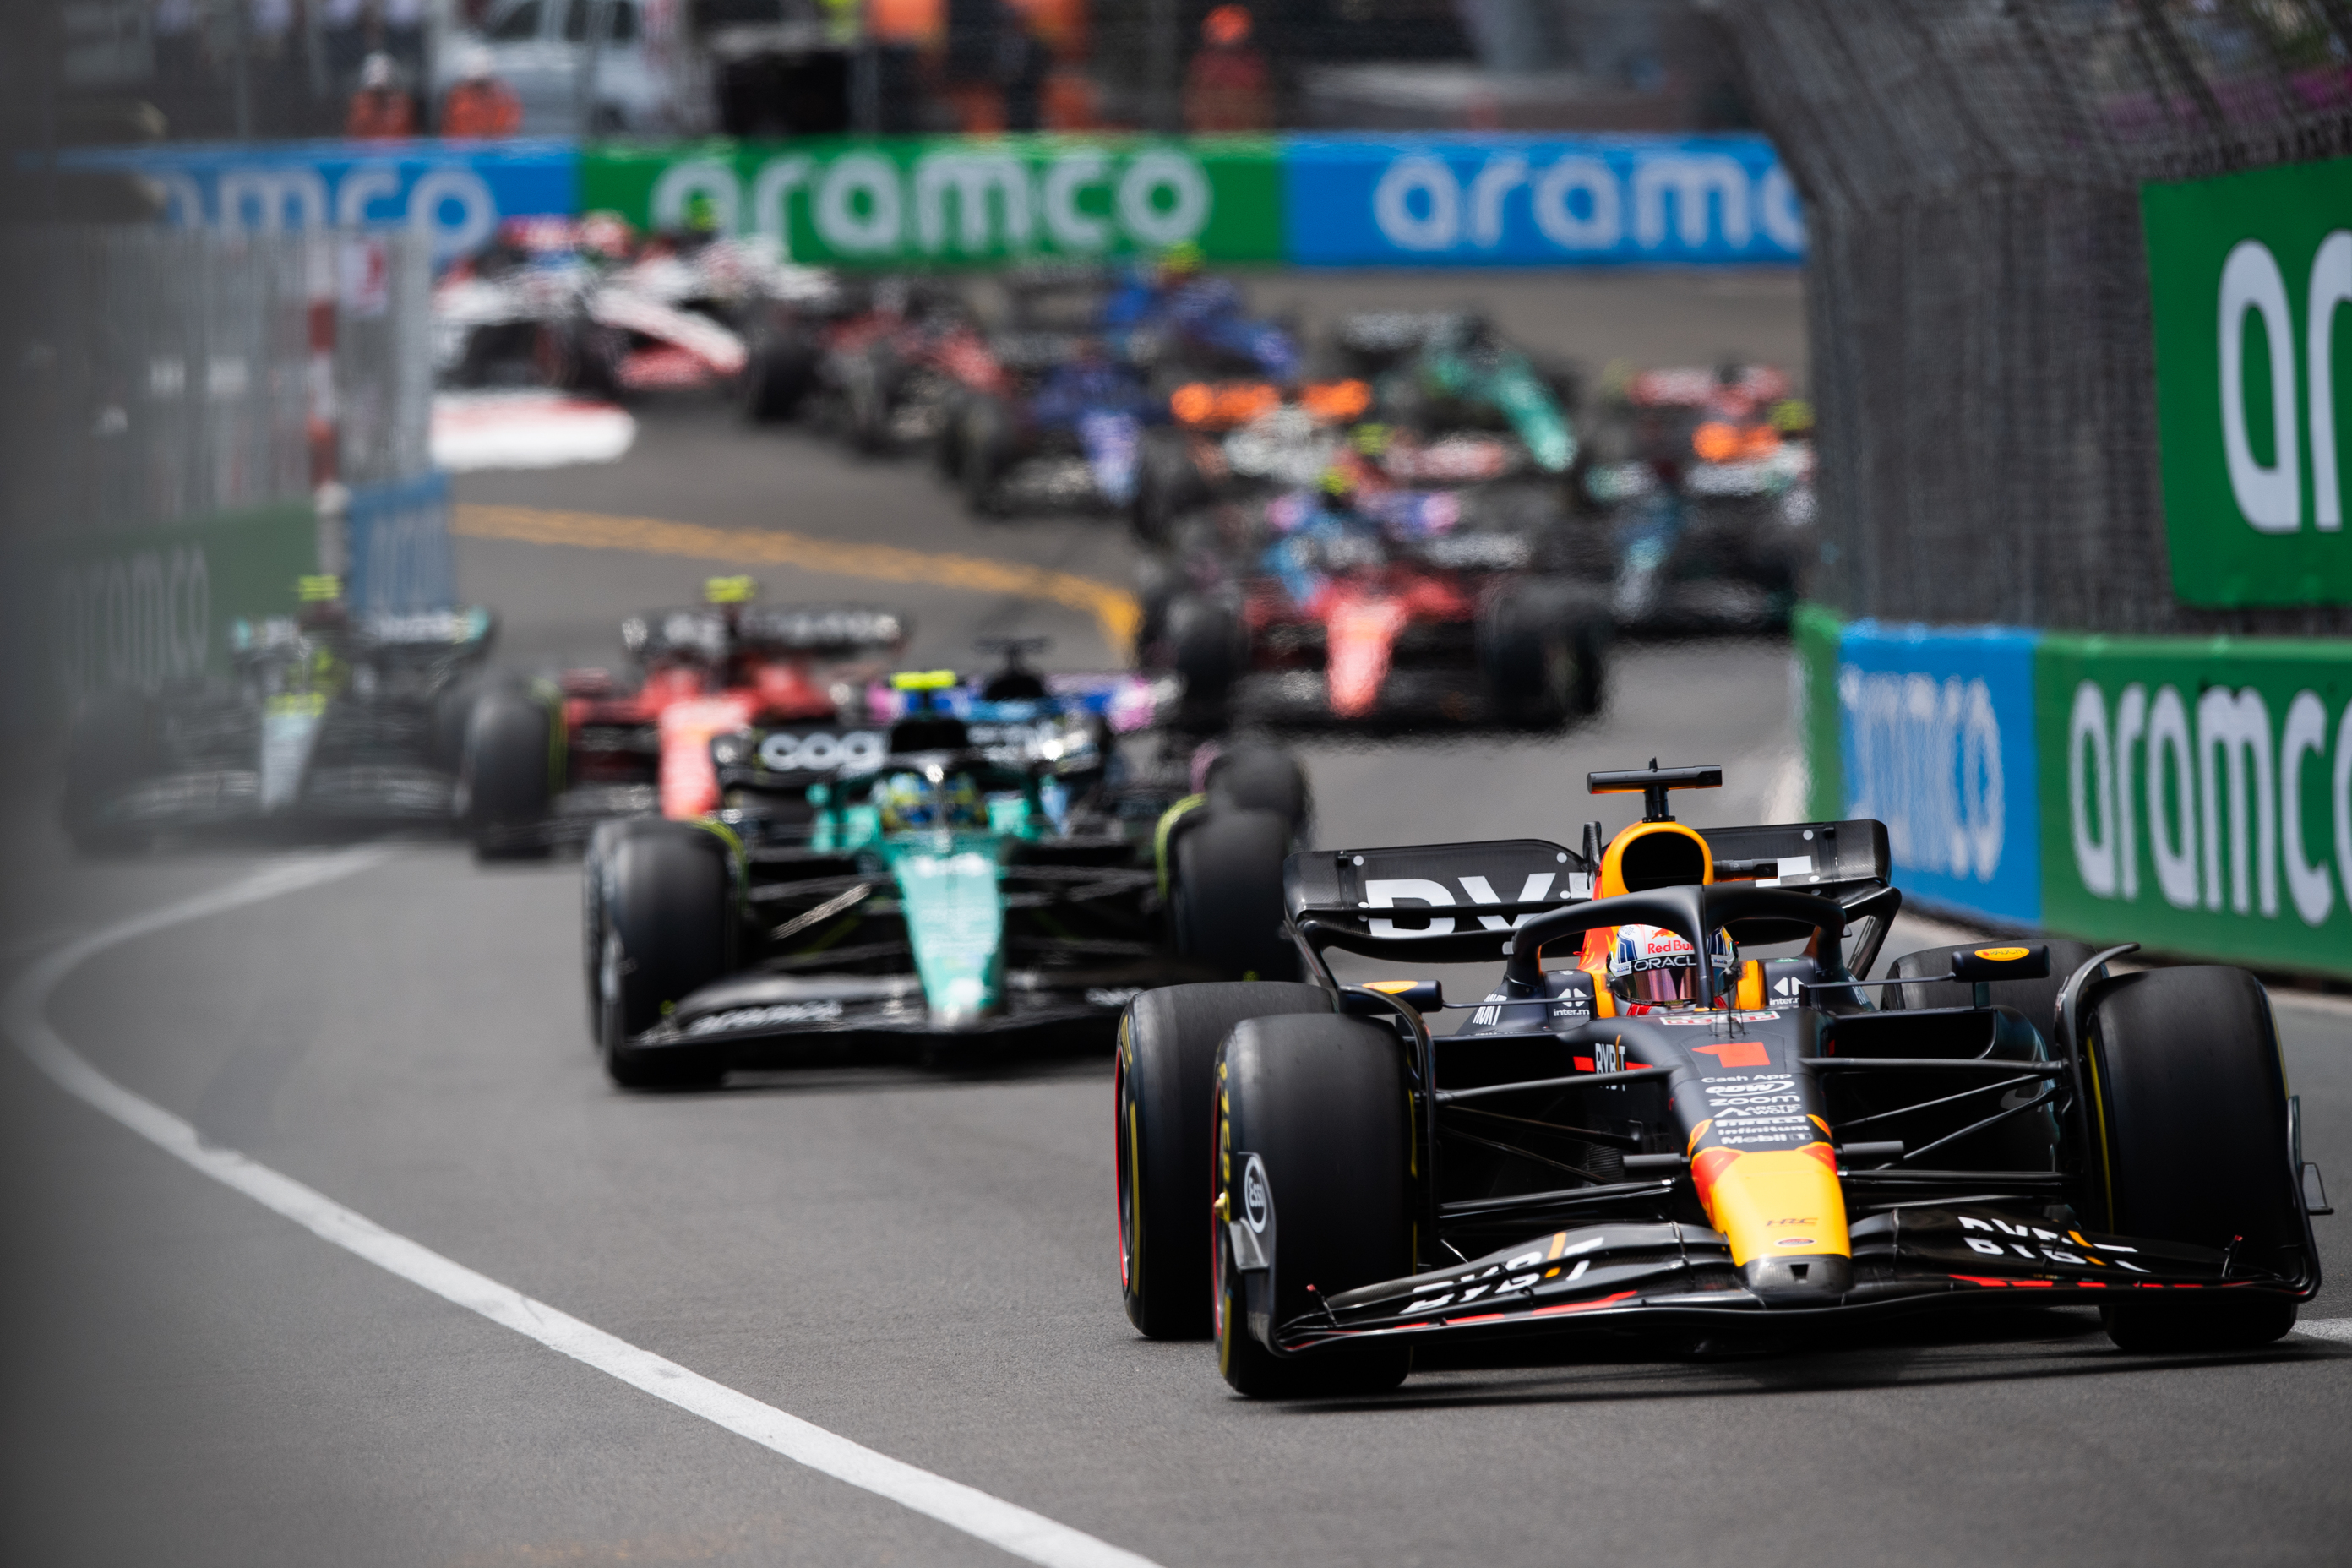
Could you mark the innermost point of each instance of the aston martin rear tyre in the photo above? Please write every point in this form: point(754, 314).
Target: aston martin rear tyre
point(667, 922)
point(1312, 1130)
point(1165, 1082)
point(2187, 1082)
point(1262, 778)
point(1226, 893)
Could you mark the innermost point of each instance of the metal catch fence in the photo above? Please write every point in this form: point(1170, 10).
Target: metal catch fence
point(157, 375)
point(1978, 285)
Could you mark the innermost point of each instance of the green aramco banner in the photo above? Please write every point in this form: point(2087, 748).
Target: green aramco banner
point(959, 201)
point(2252, 380)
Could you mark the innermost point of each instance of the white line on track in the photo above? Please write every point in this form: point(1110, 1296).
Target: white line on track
point(1008, 1526)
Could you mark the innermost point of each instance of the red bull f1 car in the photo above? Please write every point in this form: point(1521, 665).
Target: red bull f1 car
point(1679, 1107)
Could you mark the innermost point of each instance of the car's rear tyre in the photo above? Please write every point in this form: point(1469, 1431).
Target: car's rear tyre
point(1167, 484)
point(1163, 1083)
point(667, 931)
point(1321, 1106)
point(596, 876)
point(985, 452)
point(2189, 1097)
point(781, 370)
point(505, 779)
point(2037, 999)
point(1204, 646)
point(1226, 893)
point(1262, 778)
point(1540, 662)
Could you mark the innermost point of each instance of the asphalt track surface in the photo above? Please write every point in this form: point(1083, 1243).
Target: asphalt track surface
point(922, 1263)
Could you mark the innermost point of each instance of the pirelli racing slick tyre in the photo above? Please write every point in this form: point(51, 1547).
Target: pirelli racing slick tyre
point(506, 777)
point(1204, 646)
point(1262, 778)
point(1167, 484)
point(595, 878)
point(984, 449)
point(778, 376)
point(1313, 1138)
point(2189, 1097)
point(668, 920)
point(1224, 891)
point(1541, 660)
point(2037, 999)
point(1163, 1080)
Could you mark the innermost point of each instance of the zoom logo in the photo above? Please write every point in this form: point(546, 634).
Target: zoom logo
point(822, 753)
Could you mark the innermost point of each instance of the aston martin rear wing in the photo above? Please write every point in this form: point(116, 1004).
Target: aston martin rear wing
point(1455, 903)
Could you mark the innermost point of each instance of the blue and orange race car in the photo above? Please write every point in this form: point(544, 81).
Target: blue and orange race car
point(1697, 1115)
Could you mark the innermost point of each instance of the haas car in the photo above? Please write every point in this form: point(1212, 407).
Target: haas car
point(980, 863)
point(325, 720)
point(1678, 1106)
point(544, 761)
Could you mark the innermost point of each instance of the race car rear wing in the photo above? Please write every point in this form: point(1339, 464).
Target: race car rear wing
point(1455, 903)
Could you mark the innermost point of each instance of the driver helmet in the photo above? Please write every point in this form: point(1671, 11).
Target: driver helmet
point(907, 801)
point(1651, 966)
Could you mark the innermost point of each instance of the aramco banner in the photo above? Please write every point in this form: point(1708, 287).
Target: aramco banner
point(2194, 795)
point(1439, 200)
point(2253, 382)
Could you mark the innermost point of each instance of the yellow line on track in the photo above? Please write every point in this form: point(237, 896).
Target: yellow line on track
point(1113, 609)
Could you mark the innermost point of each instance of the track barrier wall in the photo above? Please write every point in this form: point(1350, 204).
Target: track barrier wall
point(2191, 794)
point(1437, 200)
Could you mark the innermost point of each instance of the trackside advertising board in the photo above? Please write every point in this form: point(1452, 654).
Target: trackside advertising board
point(2197, 796)
point(1489, 201)
point(1936, 740)
point(455, 191)
point(143, 608)
point(1442, 200)
point(2194, 795)
point(959, 201)
point(2253, 382)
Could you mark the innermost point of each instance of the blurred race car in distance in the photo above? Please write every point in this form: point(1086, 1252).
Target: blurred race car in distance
point(987, 862)
point(586, 305)
point(544, 761)
point(1358, 600)
point(1706, 495)
point(325, 720)
point(1699, 1122)
point(1067, 429)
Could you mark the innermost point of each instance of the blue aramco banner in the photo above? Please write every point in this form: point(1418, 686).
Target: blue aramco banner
point(1472, 200)
point(1935, 733)
point(455, 191)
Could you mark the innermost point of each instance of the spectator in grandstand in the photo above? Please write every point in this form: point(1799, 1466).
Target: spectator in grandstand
point(480, 104)
point(1227, 86)
point(380, 110)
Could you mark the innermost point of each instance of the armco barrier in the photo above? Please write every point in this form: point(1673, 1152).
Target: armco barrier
point(2194, 795)
point(1439, 200)
point(397, 543)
